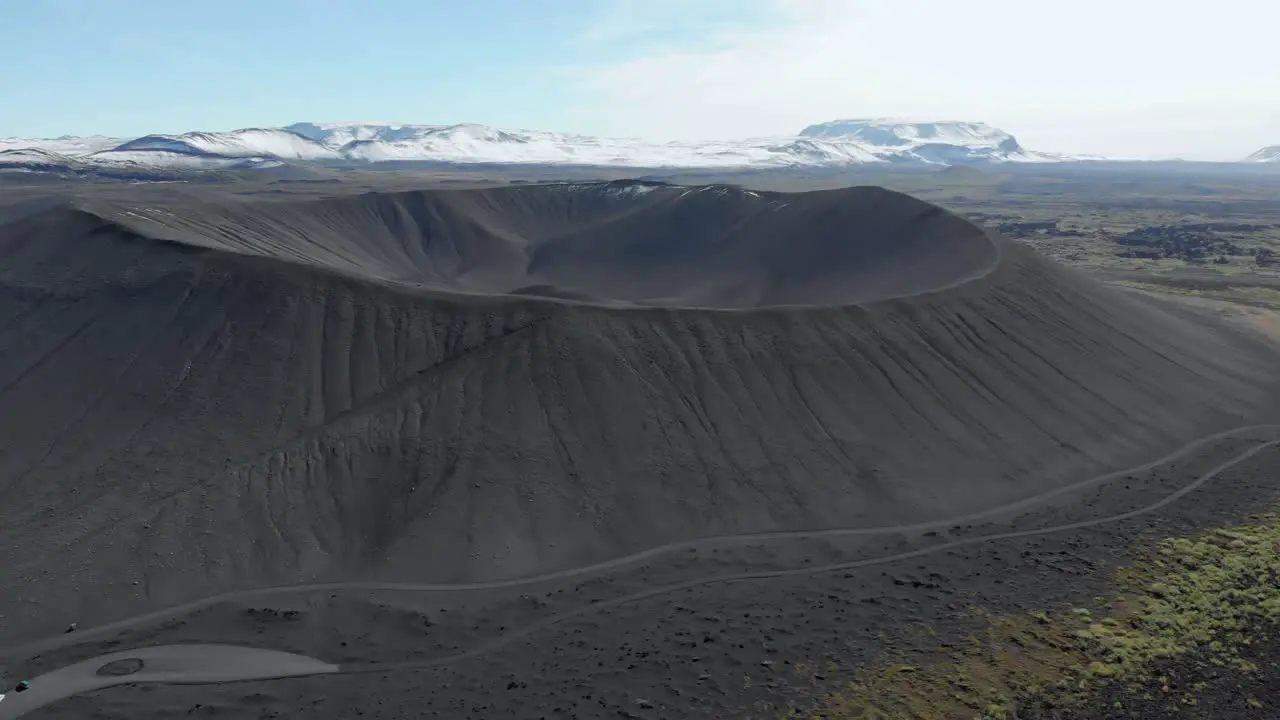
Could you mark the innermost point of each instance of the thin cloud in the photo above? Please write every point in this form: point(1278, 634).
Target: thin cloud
point(618, 27)
point(1061, 76)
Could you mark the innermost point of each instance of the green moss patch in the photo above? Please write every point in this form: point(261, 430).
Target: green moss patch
point(1190, 605)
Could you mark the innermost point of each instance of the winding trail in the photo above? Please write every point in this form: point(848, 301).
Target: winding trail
point(584, 571)
point(200, 664)
point(528, 630)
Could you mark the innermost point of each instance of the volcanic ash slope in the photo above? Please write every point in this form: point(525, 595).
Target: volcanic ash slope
point(204, 398)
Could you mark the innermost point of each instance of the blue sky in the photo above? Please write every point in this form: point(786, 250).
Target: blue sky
point(128, 67)
point(122, 67)
point(1119, 77)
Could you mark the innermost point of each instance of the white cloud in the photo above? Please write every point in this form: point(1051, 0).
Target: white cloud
point(663, 25)
point(1132, 77)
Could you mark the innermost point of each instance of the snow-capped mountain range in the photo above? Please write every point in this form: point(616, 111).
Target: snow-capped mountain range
point(836, 143)
point(829, 144)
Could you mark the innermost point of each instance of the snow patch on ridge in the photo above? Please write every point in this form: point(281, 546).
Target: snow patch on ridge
point(1265, 155)
point(179, 159)
point(898, 133)
point(66, 146)
point(247, 143)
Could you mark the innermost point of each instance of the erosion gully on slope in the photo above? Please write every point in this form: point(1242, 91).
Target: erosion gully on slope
point(196, 664)
point(653, 553)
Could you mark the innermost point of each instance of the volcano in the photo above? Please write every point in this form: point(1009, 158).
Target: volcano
point(467, 385)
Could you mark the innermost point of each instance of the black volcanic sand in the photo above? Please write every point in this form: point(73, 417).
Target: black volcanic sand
point(748, 650)
point(415, 625)
point(464, 385)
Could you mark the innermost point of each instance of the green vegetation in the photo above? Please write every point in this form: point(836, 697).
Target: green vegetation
point(1205, 600)
point(1206, 593)
point(1167, 220)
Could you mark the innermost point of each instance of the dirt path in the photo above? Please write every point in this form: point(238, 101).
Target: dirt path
point(198, 664)
point(585, 571)
point(768, 575)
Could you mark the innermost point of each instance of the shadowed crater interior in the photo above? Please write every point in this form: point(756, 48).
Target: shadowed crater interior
point(626, 242)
